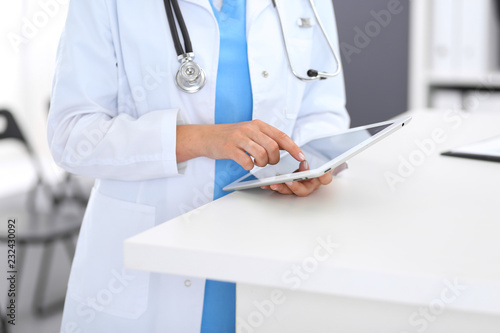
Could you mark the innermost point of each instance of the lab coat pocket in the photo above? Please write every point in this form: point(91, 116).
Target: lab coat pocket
point(98, 279)
point(300, 58)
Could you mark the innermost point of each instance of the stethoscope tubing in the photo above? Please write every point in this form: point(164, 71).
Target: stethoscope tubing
point(335, 55)
point(318, 75)
point(173, 28)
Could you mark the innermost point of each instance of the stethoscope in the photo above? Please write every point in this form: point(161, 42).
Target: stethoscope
point(191, 77)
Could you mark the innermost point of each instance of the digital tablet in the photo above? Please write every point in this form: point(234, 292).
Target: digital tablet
point(322, 153)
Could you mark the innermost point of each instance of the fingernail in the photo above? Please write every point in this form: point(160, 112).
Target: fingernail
point(274, 187)
point(302, 157)
point(263, 187)
point(306, 165)
point(289, 183)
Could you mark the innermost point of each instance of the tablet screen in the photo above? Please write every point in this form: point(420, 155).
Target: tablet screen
point(317, 152)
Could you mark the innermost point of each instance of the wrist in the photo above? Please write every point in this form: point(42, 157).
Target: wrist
point(190, 142)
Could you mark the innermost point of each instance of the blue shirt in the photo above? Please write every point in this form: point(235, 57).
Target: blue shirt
point(233, 103)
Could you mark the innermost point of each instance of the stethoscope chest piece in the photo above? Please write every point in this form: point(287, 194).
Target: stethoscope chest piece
point(190, 76)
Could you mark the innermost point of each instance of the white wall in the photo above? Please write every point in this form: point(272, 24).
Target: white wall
point(29, 31)
point(9, 59)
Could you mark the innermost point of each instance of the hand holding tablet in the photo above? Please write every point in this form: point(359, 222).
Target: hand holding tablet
point(305, 187)
point(323, 155)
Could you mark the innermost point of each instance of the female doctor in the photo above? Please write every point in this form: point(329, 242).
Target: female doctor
point(157, 151)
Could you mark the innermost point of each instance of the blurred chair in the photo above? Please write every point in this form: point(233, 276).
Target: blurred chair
point(13, 131)
point(45, 226)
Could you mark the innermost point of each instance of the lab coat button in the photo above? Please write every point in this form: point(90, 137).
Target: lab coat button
point(265, 74)
point(187, 283)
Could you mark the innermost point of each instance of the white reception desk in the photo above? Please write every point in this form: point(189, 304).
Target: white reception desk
point(406, 240)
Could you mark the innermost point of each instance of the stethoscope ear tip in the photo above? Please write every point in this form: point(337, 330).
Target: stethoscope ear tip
point(312, 73)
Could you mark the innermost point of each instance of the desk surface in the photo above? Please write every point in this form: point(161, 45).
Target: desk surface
point(438, 224)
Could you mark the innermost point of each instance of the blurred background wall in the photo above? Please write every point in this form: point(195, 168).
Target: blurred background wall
point(30, 32)
point(376, 68)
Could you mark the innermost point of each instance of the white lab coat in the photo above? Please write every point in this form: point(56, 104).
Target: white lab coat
point(114, 111)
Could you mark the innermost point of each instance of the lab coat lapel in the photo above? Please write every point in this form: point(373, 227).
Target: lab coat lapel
point(145, 41)
point(202, 3)
point(254, 8)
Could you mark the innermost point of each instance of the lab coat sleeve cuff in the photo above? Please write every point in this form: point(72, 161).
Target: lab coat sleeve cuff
point(169, 138)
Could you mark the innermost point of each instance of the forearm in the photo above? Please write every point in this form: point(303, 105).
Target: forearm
point(189, 143)
point(238, 142)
